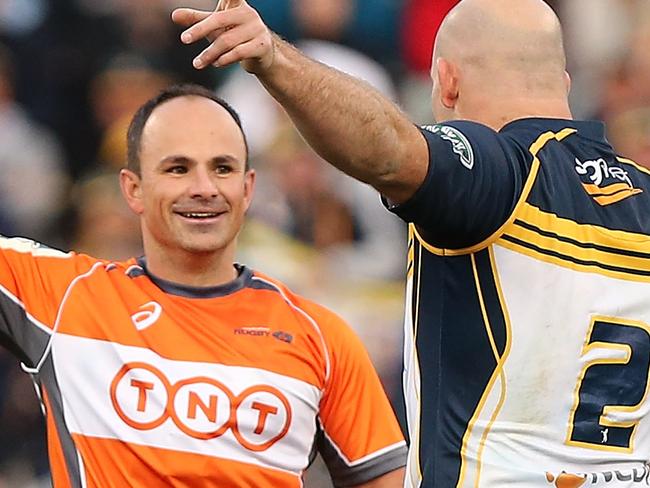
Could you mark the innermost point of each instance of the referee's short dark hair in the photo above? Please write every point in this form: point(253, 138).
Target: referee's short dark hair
point(134, 134)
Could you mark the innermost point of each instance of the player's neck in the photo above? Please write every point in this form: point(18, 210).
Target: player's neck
point(192, 269)
point(542, 108)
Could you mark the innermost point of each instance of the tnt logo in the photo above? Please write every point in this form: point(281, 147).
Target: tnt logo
point(201, 407)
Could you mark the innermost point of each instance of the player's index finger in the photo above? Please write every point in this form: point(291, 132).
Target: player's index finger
point(188, 16)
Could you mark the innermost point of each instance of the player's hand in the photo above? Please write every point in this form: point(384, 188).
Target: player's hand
point(236, 34)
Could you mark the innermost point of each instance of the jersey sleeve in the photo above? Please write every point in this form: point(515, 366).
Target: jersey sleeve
point(359, 437)
point(33, 281)
point(474, 180)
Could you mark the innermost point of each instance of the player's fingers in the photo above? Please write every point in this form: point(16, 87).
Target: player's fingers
point(225, 19)
point(247, 52)
point(225, 42)
point(186, 17)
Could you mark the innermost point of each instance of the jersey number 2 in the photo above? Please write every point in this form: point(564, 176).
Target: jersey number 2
point(612, 386)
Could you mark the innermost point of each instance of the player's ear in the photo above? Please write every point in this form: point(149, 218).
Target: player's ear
point(249, 187)
point(447, 74)
point(131, 185)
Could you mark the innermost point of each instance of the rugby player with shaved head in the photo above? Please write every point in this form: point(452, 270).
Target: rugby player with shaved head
point(528, 281)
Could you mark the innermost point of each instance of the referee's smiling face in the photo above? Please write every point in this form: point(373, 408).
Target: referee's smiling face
point(193, 189)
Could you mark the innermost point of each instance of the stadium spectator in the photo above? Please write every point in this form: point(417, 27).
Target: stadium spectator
point(22, 450)
point(629, 131)
point(181, 367)
point(116, 92)
point(369, 26)
point(528, 340)
point(104, 225)
point(422, 18)
point(30, 157)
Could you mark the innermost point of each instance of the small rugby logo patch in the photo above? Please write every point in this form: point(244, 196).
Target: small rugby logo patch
point(459, 143)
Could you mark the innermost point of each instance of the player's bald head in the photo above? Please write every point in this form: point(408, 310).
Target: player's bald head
point(509, 36)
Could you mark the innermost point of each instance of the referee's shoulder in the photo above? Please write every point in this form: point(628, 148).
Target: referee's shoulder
point(322, 316)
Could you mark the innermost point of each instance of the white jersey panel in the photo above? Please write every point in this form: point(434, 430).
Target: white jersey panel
point(549, 351)
point(412, 385)
point(132, 394)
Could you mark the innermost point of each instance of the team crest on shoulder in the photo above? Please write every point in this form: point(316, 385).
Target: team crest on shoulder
point(606, 184)
point(460, 144)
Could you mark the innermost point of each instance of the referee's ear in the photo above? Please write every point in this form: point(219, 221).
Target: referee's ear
point(130, 183)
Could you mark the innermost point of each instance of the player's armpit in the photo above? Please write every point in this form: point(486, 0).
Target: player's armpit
point(394, 479)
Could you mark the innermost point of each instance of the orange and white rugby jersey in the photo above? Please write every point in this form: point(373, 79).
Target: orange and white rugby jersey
point(146, 383)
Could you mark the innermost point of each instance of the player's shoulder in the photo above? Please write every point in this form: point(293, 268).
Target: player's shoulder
point(524, 136)
point(581, 177)
point(462, 137)
point(635, 170)
point(474, 144)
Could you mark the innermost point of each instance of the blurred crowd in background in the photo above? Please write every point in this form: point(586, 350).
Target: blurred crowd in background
point(72, 72)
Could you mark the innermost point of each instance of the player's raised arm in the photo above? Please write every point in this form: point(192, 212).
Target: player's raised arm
point(345, 120)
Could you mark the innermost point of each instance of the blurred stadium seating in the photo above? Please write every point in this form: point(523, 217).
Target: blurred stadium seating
point(73, 71)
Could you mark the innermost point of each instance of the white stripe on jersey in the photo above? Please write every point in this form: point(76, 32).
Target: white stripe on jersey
point(102, 398)
point(27, 246)
point(412, 385)
point(59, 312)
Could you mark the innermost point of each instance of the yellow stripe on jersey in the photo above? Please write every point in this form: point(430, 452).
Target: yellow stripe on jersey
point(414, 277)
point(595, 190)
point(583, 247)
point(621, 195)
point(498, 373)
point(586, 233)
point(636, 165)
point(502, 361)
point(610, 194)
point(534, 149)
point(416, 326)
point(410, 257)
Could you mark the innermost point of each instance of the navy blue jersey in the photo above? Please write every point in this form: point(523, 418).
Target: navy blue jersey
point(528, 309)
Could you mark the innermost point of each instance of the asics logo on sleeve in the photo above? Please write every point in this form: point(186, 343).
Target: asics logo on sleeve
point(149, 314)
point(460, 144)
